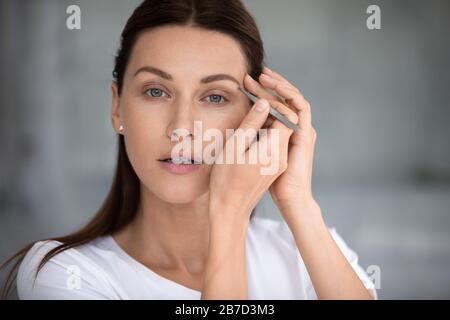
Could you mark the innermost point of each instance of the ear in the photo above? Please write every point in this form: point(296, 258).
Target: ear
point(115, 107)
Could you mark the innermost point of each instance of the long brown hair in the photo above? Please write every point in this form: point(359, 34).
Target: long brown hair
point(120, 206)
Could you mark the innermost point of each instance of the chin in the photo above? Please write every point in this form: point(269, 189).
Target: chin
point(179, 190)
point(185, 196)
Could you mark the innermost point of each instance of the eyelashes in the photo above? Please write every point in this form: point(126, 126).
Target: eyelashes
point(146, 92)
point(218, 95)
point(158, 93)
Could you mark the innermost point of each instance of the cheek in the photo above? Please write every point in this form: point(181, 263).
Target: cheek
point(143, 131)
point(144, 136)
point(143, 123)
point(214, 132)
point(223, 119)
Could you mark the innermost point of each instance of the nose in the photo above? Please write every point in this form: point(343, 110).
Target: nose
point(181, 123)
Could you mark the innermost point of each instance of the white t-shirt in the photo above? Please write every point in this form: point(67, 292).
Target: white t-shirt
point(101, 269)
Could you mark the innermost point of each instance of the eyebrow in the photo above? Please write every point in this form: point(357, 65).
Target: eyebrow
point(207, 79)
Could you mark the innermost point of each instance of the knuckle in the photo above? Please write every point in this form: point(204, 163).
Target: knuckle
point(307, 104)
point(278, 86)
point(292, 87)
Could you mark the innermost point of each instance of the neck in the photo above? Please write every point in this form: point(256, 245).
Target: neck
point(167, 235)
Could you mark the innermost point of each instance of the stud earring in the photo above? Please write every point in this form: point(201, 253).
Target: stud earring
point(121, 128)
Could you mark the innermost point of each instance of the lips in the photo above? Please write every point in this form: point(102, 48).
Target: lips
point(180, 160)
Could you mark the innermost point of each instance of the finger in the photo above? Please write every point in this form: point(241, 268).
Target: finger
point(293, 98)
point(275, 140)
point(268, 122)
point(270, 152)
point(277, 146)
point(252, 122)
point(279, 77)
point(280, 88)
point(288, 113)
point(254, 87)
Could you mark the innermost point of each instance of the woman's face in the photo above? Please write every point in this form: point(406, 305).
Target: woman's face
point(153, 104)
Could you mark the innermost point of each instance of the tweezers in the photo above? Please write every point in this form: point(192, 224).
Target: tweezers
point(274, 112)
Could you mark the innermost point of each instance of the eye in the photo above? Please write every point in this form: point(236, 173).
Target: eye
point(217, 98)
point(154, 92)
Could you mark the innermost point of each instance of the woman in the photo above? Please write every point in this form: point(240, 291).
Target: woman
point(171, 230)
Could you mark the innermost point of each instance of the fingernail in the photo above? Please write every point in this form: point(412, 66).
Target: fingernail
point(249, 76)
point(268, 79)
point(262, 105)
point(265, 76)
point(266, 68)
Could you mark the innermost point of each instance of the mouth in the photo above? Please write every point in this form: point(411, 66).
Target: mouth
point(181, 161)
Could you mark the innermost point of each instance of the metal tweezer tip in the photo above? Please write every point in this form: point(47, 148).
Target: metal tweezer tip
point(272, 111)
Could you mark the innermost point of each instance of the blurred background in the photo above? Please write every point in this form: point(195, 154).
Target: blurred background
point(380, 104)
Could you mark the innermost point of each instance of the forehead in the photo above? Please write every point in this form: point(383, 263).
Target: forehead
point(188, 51)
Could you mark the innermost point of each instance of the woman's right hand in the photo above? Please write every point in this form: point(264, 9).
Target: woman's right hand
point(236, 188)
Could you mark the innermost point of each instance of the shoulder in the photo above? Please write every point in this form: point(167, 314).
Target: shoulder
point(74, 273)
